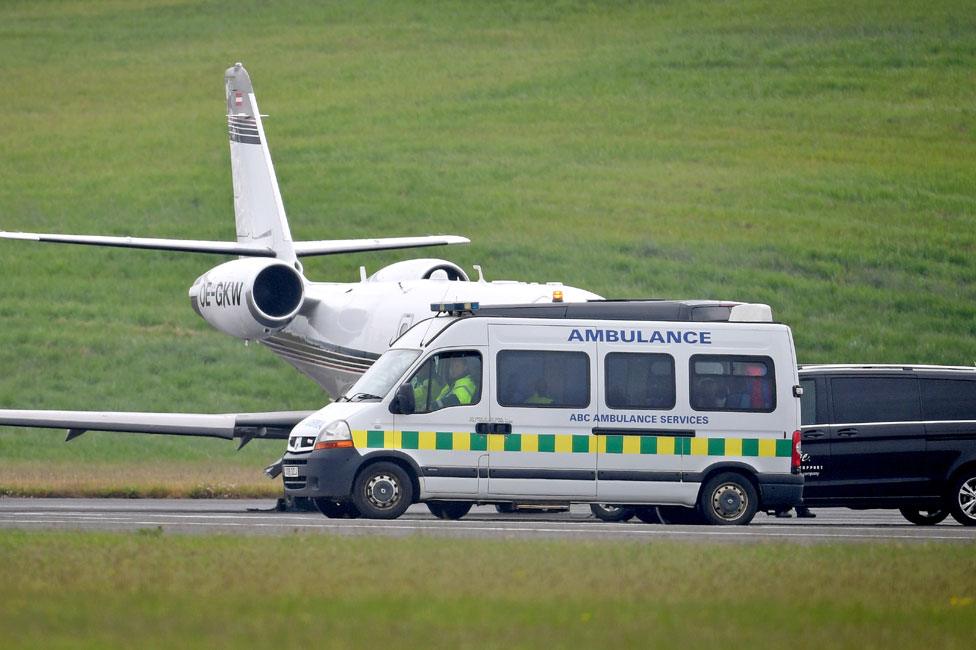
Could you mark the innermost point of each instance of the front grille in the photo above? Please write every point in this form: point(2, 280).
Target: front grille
point(296, 484)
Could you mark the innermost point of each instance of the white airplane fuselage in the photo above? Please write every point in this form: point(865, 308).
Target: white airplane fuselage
point(351, 324)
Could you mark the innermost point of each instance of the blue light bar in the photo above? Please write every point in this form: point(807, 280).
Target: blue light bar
point(454, 308)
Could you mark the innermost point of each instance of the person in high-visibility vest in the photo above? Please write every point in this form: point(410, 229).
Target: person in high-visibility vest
point(461, 387)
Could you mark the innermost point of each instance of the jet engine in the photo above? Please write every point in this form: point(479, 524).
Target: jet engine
point(249, 298)
point(423, 269)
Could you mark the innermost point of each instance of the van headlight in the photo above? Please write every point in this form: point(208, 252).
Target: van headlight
point(334, 435)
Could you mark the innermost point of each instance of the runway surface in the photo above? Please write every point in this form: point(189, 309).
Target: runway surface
point(244, 517)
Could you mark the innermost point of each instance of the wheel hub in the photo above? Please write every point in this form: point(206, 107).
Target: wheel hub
point(729, 501)
point(383, 491)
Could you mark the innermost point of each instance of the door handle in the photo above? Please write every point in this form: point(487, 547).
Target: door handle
point(847, 433)
point(493, 427)
point(810, 435)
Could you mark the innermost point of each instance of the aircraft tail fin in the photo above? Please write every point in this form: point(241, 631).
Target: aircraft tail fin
point(258, 210)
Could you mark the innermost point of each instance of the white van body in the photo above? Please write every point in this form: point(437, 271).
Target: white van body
point(608, 435)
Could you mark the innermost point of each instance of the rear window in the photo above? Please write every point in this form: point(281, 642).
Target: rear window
point(537, 379)
point(732, 383)
point(949, 399)
point(874, 399)
point(639, 381)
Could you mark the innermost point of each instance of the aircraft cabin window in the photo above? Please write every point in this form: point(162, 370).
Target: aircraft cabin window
point(537, 379)
point(732, 383)
point(447, 379)
point(639, 380)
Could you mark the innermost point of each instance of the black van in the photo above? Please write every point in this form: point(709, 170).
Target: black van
point(890, 437)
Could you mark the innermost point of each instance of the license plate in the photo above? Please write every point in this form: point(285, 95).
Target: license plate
point(291, 471)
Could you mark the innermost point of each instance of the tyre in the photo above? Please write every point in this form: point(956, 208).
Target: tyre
point(679, 515)
point(609, 512)
point(728, 499)
point(924, 517)
point(648, 514)
point(962, 498)
point(382, 491)
point(334, 509)
point(449, 509)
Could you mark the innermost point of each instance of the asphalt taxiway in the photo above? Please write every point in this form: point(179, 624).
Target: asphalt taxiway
point(245, 517)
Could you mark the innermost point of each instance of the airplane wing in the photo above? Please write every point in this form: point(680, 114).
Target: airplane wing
point(185, 245)
point(335, 246)
point(244, 426)
point(302, 249)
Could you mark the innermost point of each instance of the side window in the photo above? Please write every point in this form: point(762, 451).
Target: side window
point(536, 379)
point(874, 399)
point(639, 381)
point(808, 402)
point(447, 379)
point(948, 399)
point(732, 383)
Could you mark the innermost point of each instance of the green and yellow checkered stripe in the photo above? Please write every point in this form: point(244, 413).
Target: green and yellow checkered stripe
point(560, 443)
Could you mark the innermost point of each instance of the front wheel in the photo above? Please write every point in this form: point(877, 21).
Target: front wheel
point(449, 509)
point(610, 512)
point(382, 491)
point(728, 499)
point(962, 499)
point(924, 517)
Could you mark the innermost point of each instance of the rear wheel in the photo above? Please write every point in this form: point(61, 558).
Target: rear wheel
point(962, 498)
point(334, 509)
point(924, 517)
point(449, 509)
point(728, 499)
point(382, 491)
point(610, 512)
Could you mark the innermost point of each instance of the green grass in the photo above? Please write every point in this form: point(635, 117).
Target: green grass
point(105, 590)
point(819, 156)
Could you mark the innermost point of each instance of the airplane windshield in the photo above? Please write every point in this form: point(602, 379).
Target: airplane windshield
point(382, 375)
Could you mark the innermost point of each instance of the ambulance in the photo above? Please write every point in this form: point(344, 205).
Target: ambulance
point(692, 404)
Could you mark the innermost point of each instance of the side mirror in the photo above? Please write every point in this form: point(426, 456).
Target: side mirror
point(403, 403)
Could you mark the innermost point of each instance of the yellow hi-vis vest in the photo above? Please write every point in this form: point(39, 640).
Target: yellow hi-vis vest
point(463, 389)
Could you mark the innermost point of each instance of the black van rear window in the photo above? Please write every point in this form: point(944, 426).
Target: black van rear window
point(949, 399)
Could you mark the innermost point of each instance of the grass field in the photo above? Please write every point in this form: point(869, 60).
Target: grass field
point(819, 156)
point(106, 590)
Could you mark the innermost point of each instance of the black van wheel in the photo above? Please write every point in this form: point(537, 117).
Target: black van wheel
point(449, 509)
point(728, 499)
point(610, 512)
point(962, 498)
point(334, 509)
point(924, 517)
point(382, 491)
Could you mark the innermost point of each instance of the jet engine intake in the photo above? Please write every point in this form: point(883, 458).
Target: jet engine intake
point(249, 298)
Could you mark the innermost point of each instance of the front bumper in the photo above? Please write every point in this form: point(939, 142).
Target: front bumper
point(327, 473)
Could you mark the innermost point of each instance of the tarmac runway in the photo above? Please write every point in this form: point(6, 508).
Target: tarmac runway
point(246, 517)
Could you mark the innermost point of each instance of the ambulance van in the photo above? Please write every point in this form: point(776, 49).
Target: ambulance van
point(644, 403)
